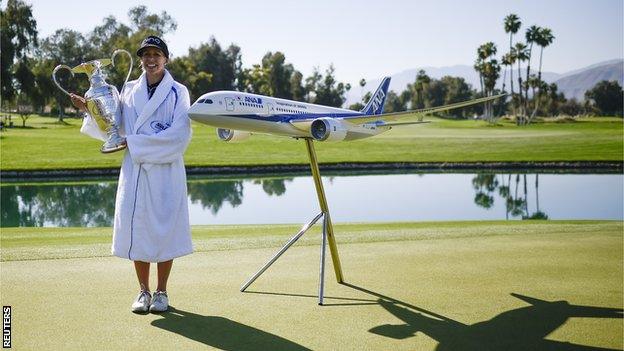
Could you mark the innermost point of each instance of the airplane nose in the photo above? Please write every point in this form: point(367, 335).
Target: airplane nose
point(194, 110)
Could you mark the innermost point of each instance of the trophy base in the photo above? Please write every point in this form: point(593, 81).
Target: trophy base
point(108, 148)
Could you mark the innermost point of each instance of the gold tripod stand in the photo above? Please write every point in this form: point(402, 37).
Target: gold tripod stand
point(328, 231)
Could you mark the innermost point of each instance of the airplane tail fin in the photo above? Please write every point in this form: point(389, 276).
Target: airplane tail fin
point(375, 105)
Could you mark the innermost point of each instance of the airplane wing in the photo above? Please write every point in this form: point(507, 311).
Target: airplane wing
point(425, 111)
point(404, 123)
point(304, 124)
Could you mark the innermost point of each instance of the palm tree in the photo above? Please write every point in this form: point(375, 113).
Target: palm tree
point(486, 50)
point(544, 38)
point(478, 66)
point(516, 203)
point(487, 68)
point(420, 86)
point(506, 62)
point(526, 197)
point(503, 191)
point(485, 185)
point(537, 191)
point(362, 85)
point(531, 36)
point(512, 25)
point(482, 54)
point(520, 54)
point(533, 83)
point(491, 72)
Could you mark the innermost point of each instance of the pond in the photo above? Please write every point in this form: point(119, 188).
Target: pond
point(351, 198)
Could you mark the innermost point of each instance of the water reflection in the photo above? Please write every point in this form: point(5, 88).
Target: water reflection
point(213, 194)
point(274, 186)
point(83, 205)
point(361, 198)
point(487, 186)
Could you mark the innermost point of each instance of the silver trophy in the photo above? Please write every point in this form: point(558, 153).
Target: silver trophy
point(102, 99)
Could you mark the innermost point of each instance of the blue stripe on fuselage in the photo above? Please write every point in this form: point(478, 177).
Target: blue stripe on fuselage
point(285, 117)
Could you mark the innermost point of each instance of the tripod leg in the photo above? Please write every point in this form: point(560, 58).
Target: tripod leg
point(322, 270)
point(331, 241)
point(281, 251)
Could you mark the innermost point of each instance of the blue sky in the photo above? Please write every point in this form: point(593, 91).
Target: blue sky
point(366, 39)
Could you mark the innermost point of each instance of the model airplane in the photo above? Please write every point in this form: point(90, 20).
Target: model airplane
point(237, 115)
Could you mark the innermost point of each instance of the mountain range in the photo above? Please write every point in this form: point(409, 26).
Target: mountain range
point(573, 84)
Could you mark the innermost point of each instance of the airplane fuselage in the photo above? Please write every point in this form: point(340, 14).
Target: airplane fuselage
point(237, 115)
point(263, 114)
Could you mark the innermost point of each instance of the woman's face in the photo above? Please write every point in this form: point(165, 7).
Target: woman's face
point(153, 61)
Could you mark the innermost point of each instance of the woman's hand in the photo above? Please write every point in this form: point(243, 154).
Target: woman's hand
point(79, 102)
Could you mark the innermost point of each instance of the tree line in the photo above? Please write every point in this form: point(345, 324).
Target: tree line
point(544, 99)
point(428, 92)
point(529, 95)
point(27, 63)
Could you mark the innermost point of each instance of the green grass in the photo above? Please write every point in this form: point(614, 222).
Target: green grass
point(21, 243)
point(47, 144)
point(411, 286)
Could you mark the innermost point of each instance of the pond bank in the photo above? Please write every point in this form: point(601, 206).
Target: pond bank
point(612, 167)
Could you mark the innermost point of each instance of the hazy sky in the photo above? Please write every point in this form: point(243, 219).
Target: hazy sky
point(365, 39)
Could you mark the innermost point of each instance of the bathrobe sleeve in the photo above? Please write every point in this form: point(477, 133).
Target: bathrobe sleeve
point(168, 145)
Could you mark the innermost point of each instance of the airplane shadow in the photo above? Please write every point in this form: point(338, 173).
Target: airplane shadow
point(221, 333)
point(523, 328)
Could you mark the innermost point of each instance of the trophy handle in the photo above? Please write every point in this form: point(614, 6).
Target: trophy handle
point(56, 69)
point(129, 70)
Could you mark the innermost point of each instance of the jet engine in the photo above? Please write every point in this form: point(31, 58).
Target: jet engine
point(328, 129)
point(230, 135)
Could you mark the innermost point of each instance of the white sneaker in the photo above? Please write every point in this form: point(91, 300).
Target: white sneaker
point(160, 302)
point(142, 302)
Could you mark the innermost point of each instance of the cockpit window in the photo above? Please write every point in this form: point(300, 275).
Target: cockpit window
point(200, 101)
point(208, 101)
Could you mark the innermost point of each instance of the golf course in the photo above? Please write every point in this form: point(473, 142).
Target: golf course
point(408, 286)
point(475, 285)
point(323, 175)
point(46, 144)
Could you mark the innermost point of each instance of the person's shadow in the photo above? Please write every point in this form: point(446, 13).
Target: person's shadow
point(221, 333)
point(524, 328)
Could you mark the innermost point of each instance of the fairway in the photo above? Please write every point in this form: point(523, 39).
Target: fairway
point(47, 145)
point(411, 286)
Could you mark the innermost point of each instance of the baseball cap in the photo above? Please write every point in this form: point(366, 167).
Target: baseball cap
point(155, 42)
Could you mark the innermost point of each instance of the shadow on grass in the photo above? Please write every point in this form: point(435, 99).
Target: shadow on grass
point(57, 122)
point(358, 302)
point(221, 333)
point(520, 329)
point(24, 127)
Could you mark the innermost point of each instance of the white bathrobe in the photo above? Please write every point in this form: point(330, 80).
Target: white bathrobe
point(151, 209)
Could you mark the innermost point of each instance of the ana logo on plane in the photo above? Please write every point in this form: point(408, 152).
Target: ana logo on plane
point(253, 100)
point(378, 99)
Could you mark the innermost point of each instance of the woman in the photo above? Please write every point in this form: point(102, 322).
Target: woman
point(151, 210)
